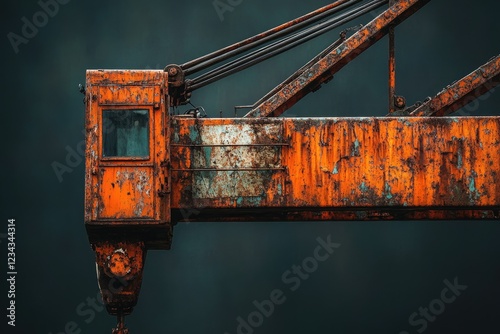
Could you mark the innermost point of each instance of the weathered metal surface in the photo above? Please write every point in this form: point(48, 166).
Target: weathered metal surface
point(392, 70)
point(229, 161)
point(127, 194)
point(119, 271)
point(126, 198)
point(463, 91)
point(338, 168)
point(370, 162)
point(325, 68)
point(124, 78)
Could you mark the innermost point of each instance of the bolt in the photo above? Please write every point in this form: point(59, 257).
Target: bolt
point(119, 263)
point(400, 102)
point(172, 71)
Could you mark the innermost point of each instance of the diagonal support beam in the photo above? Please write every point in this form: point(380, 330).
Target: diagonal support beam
point(462, 92)
point(323, 70)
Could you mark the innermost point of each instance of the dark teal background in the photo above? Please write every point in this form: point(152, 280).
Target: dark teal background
point(383, 271)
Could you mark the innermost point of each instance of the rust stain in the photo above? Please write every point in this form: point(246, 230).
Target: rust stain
point(228, 161)
point(342, 163)
point(128, 194)
point(120, 266)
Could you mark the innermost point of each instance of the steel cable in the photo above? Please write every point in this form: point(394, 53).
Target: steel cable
point(281, 46)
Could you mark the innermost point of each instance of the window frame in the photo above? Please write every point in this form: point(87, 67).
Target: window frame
point(150, 140)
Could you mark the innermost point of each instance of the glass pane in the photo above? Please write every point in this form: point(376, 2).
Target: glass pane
point(125, 133)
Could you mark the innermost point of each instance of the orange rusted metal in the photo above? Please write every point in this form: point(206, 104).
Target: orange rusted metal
point(119, 271)
point(463, 92)
point(326, 67)
point(392, 71)
point(127, 194)
point(335, 168)
point(120, 266)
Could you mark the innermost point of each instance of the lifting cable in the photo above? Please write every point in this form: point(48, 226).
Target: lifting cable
point(218, 56)
point(281, 46)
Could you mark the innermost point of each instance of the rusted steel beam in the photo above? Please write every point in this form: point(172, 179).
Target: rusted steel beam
point(392, 66)
point(392, 71)
point(325, 68)
point(463, 92)
point(335, 168)
point(301, 70)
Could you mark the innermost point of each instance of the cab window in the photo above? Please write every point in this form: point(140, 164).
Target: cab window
point(125, 133)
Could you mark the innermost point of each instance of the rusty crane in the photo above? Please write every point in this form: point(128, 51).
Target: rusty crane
point(148, 168)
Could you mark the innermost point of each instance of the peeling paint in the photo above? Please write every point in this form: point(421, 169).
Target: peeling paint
point(355, 148)
point(335, 169)
point(474, 194)
point(405, 120)
point(128, 192)
point(421, 172)
point(363, 187)
point(460, 162)
point(193, 134)
point(387, 191)
point(208, 155)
